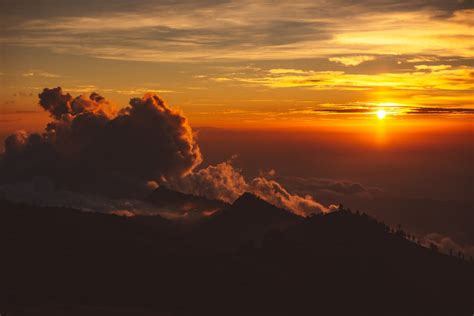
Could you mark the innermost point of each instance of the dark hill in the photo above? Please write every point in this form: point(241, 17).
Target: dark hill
point(248, 219)
point(57, 261)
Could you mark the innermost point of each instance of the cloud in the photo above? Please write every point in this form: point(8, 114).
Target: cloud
point(41, 191)
point(428, 86)
point(432, 67)
point(349, 110)
point(39, 73)
point(286, 71)
point(23, 94)
point(392, 109)
point(241, 30)
point(89, 145)
point(439, 79)
point(318, 186)
point(221, 182)
point(351, 60)
point(225, 182)
point(439, 110)
point(447, 245)
point(274, 193)
point(422, 59)
point(135, 91)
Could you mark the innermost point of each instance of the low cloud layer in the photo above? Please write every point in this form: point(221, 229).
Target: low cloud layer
point(447, 245)
point(225, 182)
point(328, 187)
point(41, 191)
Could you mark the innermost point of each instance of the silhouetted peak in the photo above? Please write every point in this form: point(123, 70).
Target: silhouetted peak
point(250, 199)
point(252, 205)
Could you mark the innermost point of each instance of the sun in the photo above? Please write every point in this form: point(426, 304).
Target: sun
point(381, 114)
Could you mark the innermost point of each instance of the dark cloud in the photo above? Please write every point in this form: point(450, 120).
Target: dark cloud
point(56, 103)
point(444, 8)
point(369, 109)
point(23, 94)
point(439, 110)
point(316, 186)
point(90, 146)
point(30, 9)
point(345, 110)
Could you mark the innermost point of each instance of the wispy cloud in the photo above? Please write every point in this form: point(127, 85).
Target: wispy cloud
point(139, 91)
point(390, 109)
point(438, 110)
point(441, 77)
point(351, 60)
point(249, 30)
point(432, 67)
point(421, 59)
point(39, 73)
point(286, 71)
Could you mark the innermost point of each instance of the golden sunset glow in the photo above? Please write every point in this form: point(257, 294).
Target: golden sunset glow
point(381, 114)
point(225, 68)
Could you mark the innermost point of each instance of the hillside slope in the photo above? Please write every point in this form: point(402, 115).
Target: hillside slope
point(65, 262)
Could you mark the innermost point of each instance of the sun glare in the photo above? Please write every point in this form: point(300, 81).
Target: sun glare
point(381, 114)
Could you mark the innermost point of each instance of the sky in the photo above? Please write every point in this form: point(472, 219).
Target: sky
point(378, 78)
point(246, 63)
point(306, 104)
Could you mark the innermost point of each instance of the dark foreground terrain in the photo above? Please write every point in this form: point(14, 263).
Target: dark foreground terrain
point(250, 258)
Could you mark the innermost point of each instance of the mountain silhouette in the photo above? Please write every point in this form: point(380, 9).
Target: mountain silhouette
point(183, 206)
point(247, 220)
point(250, 258)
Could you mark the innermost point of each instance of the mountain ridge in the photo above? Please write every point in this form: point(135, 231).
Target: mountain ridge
point(300, 267)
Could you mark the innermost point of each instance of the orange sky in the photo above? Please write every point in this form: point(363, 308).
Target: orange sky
point(247, 64)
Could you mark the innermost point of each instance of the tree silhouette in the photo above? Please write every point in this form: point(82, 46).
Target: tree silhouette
point(399, 232)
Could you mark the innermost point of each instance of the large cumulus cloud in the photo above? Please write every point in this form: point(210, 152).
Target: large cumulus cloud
point(92, 146)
